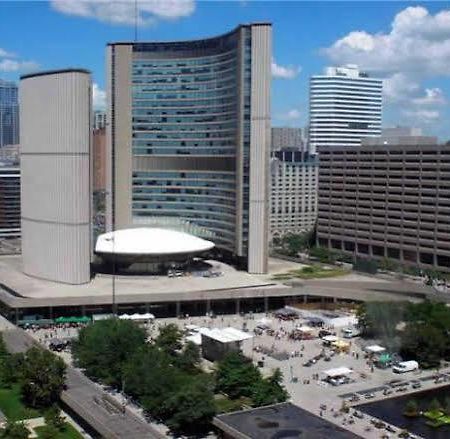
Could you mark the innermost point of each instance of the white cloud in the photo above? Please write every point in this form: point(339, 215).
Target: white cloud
point(399, 87)
point(98, 97)
point(293, 114)
point(284, 72)
point(417, 44)
point(11, 65)
point(122, 12)
point(421, 117)
point(433, 96)
point(6, 54)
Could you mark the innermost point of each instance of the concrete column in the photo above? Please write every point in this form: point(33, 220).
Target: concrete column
point(50, 312)
point(208, 305)
point(178, 308)
point(16, 315)
point(266, 304)
point(238, 306)
point(305, 298)
point(83, 310)
point(147, 307)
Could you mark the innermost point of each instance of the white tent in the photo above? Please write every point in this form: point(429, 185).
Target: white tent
point(338, 372)
point(226, 335)
point(196, 338)
point(148, 316)
point(264, 323)
point(330, 338)
point(304, 328)
point(374, 349)
point(124, 317)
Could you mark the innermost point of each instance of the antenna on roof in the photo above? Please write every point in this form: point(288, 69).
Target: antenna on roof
point(135, 20)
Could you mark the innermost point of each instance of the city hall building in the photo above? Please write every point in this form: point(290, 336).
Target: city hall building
point(188, 134)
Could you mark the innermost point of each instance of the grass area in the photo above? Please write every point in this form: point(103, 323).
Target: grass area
point(69, 432)
point(436, 418)
point(12, 406)
point(226, 405)
point(311, 272)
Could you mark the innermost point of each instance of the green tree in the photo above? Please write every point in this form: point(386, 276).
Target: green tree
point(11, 369)
point(169, 338)
point(424, 343)
point(236, 376)
point(43, 376)
point(150, 377)
point(189, 359)
point(104, 347)
point(15, 430)
point(434, 406)
point(411, 408)
point(192, 408)
point(3, 351)
point(270, 390)
point(53, 417)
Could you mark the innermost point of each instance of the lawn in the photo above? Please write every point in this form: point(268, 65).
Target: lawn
point(311, 272)
point(12, 406)
point(69, 432)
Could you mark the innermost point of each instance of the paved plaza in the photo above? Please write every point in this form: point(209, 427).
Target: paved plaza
point(304, 384)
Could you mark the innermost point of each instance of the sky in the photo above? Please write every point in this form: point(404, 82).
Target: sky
point(405, 43)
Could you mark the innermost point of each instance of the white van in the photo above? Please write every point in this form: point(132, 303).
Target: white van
point(406, 366)
point(350, 332)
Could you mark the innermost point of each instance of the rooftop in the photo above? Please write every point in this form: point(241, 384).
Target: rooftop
point(279, 421)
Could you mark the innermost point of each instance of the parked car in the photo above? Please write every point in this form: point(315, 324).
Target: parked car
point(406, 366)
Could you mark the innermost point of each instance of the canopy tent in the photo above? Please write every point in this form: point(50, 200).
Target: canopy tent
point(193, 328)
point(264, 323)
point(124, 317)
point(384, 358)
point(304, 328)
point(374, 349)
point(341, 345)
point(83, 319)
point(330, 338)
point(286, 312)
point(337, 372)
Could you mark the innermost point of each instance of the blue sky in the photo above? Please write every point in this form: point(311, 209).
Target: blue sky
point(406, 43)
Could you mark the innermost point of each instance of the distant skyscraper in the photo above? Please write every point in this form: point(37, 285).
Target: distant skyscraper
point(401, 132)
point(56, 133)
point(99, 120)
point(344, 106)
point(286, 138)
point(9, 113)
point(188, 134)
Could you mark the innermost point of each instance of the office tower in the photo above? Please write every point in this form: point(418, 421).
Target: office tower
point(9, 200)
point(287, 138)
point(388, 197)
point(9, 113)
point(99, 120)
point(189, 135)
point(344, 106)
point(99, 159)
point(293, 193)
point(55, 110)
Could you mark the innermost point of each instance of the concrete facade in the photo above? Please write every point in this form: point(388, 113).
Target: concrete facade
point(188, 139)
point(99, 159)
point(388, 198)
point(56, 175)
point(293, 193)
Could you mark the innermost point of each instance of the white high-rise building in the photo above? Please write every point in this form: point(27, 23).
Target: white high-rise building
point(344, 106)
point(286, 138)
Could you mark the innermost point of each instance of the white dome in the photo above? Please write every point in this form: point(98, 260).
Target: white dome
point(150, 241)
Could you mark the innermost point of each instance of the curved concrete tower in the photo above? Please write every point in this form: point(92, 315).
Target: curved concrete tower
point(55, 134)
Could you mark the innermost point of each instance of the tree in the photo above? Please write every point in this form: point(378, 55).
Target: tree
point(189, 359)
point(43, 376)
point(169, 339)
point(15, 430)
point(53, 417)
point(270, 390)
point(236, 376)
point(3, 351)
point(411, 408)
point(104, 347)
point(150, 377)
point(192, 408)
point(435, 406)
